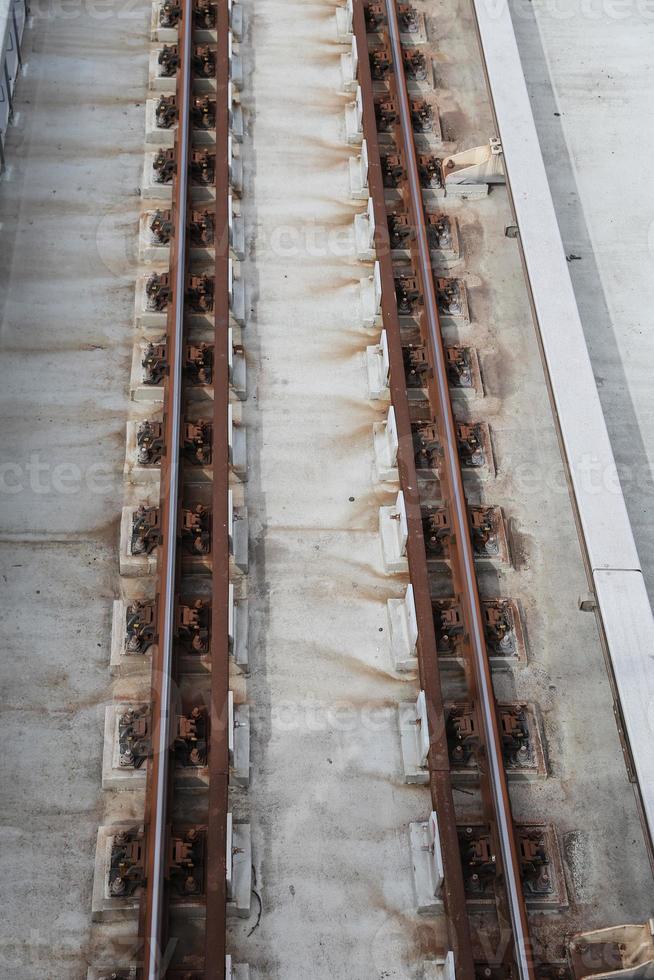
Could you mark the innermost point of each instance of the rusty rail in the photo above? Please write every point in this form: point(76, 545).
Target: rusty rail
point(515, 944)
point(153, 917)
point(430, 681)
point(494, 784)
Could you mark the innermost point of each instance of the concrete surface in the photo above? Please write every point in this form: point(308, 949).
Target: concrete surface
point(327, 806)
point(68, 210)
point(589, 71)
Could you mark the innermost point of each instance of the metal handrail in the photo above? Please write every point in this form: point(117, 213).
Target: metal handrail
point(13, 17)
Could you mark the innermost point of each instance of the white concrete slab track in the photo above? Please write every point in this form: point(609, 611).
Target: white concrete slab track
point(327, 802)
point(329, 811)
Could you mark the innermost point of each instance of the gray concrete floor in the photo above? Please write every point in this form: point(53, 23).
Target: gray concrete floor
point(327, 804)
point(68, 209)
point(589, 73)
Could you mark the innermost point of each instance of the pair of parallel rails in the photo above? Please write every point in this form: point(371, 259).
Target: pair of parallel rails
point(516, 947)
point(516, 953)
point(154, 905)
point(511, 908)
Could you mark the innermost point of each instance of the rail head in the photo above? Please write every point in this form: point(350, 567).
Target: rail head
point(494, 782)
point(440, 776)
point(154, 914)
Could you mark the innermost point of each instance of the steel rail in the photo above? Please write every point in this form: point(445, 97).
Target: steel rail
point(158, 787)
point(430, 682)
point(510, 867)
point(218, 803)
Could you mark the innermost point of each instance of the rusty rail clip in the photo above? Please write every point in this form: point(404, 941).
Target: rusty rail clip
point(193, 626)
point(196, 530)
point(154, 364)
point(140, 627)
point(198, 363)
point(164, 166)
point(150, 443)
point(197, 442)
point(191, 740)
point(146, 530)
point(186, 861)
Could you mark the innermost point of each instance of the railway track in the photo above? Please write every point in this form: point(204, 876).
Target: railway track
point(415, 292)
point(404, 231)
point(190, 860)
point(208, 872)
point(184, 450)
